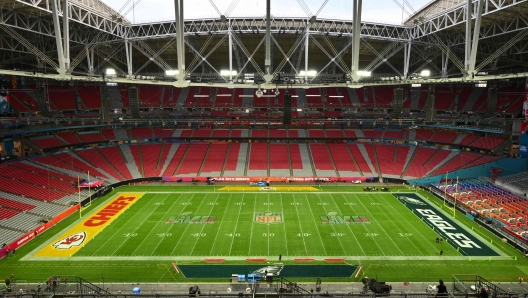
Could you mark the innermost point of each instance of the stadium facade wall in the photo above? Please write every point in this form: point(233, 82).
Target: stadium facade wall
point(509, 166)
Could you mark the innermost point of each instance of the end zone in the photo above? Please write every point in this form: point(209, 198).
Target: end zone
point(73, 239)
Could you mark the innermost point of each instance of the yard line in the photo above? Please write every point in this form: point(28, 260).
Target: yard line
point(220, 227)
point(137, 227)
point(365, 226)
point(284, 225)
point(300, 225)
point(414, 228)
point(171, 225)
point(117, 231)
point(383, 228)
point(151, 230)
point(268, 226)
point(319, 233)
point(236, 225)
point(251, 231)
point(349, 227)
point(340, 244)
point(203, 226)
point(186, 226)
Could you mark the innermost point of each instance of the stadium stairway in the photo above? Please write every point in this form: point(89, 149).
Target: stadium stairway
point(214, 160)
point(235, 163)
point(300, 159)
point(408, 160)
point(366, 156)
point(129, 161)
point(109, 176)
point(170, 155)
point(438, 165)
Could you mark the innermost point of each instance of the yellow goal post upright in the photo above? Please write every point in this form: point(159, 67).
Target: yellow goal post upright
point(445, 190)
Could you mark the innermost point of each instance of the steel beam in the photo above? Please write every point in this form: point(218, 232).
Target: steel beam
point(267, 61)
point(180, 44)
point(356, 33)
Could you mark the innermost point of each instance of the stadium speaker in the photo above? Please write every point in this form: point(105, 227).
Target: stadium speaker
point(287, 109)
point(134, 102)
point(397, 104)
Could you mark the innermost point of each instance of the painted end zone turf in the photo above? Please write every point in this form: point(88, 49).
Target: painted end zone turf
point(69, 242)
point(275, 188)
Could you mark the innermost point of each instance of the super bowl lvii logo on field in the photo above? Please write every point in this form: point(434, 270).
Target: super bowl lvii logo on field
point(268, 217)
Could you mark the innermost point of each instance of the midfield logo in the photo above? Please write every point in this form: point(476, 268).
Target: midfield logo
point(188, 218)
point(268, 217)
point(334, 218)
point(70, 241)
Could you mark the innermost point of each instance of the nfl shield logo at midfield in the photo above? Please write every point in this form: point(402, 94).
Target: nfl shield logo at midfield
point(268, 217)
point(70, 241)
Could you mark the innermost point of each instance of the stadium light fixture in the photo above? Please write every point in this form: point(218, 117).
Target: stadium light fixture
point(310, 73)
point(226, 72)
point(425, 73)
point(171, 72)
point(110, 72)
point(364, 73)
point(259, 93)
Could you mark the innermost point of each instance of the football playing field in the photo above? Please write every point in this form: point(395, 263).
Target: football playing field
point(237, 225)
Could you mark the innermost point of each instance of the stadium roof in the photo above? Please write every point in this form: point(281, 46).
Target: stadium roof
point(434, 38)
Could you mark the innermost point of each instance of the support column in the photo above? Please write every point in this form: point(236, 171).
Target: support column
point(445, 61)
point(469, 14)
point(128, 53)
point(90, 60)
point(306, 44)
point(66, 34)
point(58, 38)
point(475, 41)
point(267, 62)
point(230, 35)
point(180, 43)
point(356, 34)
point(407, 58)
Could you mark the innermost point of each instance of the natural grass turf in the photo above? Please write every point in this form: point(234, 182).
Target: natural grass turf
point(142, 230)
point(154, 271)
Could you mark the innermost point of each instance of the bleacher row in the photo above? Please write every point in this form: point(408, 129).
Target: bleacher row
point(324, 159)
point(64, 98)
point(63, 139)
point(491, 201)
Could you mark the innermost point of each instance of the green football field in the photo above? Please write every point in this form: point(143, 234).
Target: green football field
point(268, 224)
point(385, 234)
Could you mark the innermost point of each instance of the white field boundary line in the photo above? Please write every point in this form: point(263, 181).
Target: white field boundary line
point(463, 226)
point(284, 258)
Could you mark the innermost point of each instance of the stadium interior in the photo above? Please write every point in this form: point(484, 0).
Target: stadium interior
point(91, 102)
